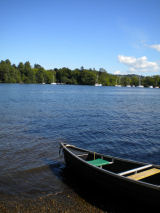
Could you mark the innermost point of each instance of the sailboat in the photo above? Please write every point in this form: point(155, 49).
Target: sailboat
point(53, 79)
point(97, 84)
point(157, 87)
point(140, 86)
point(117, 85)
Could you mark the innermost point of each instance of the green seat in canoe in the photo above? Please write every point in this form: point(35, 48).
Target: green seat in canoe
point(98, 162)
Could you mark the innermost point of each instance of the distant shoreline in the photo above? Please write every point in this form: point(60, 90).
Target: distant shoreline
point(25, 73)
point(60, 84)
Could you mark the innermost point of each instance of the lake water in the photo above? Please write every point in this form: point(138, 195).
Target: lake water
point(122, 122)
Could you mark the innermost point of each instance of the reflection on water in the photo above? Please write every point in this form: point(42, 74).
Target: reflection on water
point(121, 122)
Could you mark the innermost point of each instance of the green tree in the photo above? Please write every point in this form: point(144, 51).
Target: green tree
point(22, 71)
point(135, 80)
point(64, 75)
point(37, 66)
point(103, 78)
point(40, 73)
point(88, 77)
point(29, 73)
point(4, 72)
point(48, 77)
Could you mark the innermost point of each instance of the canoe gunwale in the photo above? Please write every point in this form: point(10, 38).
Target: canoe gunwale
point(113, 174)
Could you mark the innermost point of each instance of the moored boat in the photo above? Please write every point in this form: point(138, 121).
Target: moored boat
point(98, 85)
point(137, 179)
point(140, 86)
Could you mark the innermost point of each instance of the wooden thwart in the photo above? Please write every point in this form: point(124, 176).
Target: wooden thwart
point(144, 174)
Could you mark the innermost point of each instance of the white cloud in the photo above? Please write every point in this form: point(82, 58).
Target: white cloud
point(155, 46)
point(136, 65)
point(117, 72)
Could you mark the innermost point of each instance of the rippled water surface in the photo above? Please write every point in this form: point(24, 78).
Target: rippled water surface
point(122, 122)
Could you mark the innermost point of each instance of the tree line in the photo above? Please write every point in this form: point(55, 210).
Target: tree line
point(25, 73)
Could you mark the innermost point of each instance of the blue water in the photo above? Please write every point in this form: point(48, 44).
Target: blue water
point(122, 122)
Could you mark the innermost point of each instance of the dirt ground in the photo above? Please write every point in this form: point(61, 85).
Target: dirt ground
point(59, 203)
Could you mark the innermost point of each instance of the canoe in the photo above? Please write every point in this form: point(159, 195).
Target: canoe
point(140, 180)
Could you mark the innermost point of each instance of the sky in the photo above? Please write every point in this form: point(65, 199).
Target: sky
point(121, 36)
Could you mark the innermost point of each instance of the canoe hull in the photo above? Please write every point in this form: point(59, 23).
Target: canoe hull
point(108, 181)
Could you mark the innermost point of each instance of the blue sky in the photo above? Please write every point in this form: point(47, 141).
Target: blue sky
point(121, 36)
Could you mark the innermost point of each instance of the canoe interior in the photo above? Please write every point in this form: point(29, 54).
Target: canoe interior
point(117, 165)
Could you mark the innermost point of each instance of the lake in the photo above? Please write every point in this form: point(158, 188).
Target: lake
point(123, 122)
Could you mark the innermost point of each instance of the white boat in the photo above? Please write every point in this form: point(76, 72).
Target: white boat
point(118, 85)
point(150, 87)
point(140, 86)
point(98, 85)
point(53, 83)
point(128, 86)
point(157, 87)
